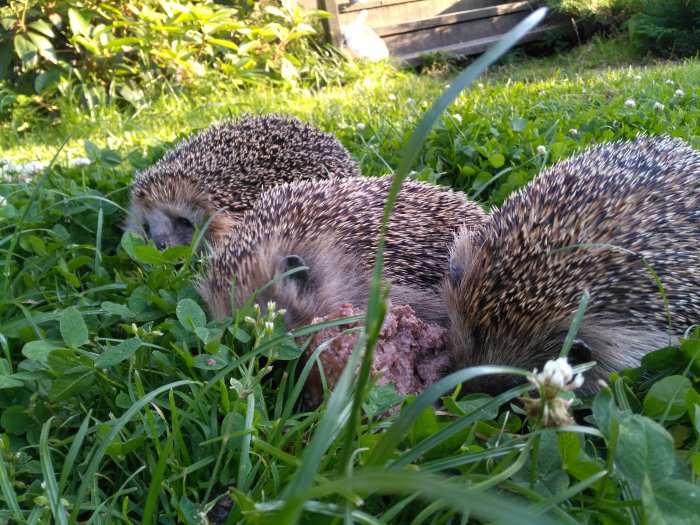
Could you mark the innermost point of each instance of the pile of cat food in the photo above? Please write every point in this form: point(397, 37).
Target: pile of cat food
point(410, 353)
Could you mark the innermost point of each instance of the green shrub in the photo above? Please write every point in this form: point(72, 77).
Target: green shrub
point(118, 49)
point(667, 27)
point(594, 16)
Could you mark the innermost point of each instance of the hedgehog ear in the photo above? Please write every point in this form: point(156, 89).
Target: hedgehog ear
point(580, 352)
point(292, 262)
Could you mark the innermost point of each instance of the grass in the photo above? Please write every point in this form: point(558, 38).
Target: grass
point(120, 398)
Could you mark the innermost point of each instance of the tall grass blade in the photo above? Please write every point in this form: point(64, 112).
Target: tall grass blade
point(375, 305)
point(50, 484)
point(91, 470)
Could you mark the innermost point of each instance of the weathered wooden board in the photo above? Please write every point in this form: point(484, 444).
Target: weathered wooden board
point(410, 27)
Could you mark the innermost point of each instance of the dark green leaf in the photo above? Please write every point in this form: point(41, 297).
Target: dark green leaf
point(120, 310)
point(190, 314)
point(66, 386)
point(644, 448)
point(671, 502)
point(667, 396)
point(73, 328)
point(15, 419)
point(116, 354)
point(38, 350)
point(209, 362)
point(122, 449)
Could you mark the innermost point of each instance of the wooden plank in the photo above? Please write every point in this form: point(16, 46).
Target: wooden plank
point(332, 24)
point(454, 34)
point(455, 18)
point(390, 12)
point(479, 45)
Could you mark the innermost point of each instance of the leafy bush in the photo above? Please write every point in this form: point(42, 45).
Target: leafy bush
point(120, 48)
point(596, 16)
point(667, 27)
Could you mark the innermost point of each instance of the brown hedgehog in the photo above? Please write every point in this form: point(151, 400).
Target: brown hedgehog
point(587, 223)
point(226, 168)
point(332, 227)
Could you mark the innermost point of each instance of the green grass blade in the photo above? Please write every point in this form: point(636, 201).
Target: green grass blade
point(244, 463)
point(573, 329)
point(154, 487)
point(331, 420)
point(116, 428)
point(375, 304)
point(73, 451)
point(384, 449)
point(8, 492)
point(47, 471)
point(487, 505)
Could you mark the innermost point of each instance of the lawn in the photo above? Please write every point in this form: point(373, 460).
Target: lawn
point(119, 397)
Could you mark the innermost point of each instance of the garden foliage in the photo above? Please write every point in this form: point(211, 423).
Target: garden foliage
point(123, 48)
point(668, 28)
point(121, 398)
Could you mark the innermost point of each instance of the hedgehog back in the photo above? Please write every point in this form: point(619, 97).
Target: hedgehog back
point(235, 160)
point(345, 216)
point(589, 222)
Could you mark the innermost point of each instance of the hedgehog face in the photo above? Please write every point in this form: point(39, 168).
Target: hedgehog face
point(167, 230)
point(167, 224)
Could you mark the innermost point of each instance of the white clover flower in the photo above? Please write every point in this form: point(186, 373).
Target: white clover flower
point(541, 150)
point(630, 103)
point(360, 126)
point(392, 97)
point(573, 132)
point(79, 162)
point(32, 168)
point(480, 85)
point(557, 374)
point(550, 409)
point(679, 93)
point(457, 117)
point(637, 78)
point(658, 106)
point(669, 82)
point(410, 101)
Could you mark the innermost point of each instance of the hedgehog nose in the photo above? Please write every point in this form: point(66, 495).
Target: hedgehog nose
point(161, 244)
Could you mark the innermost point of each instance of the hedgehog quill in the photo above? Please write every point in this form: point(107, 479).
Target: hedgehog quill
point(590, 222)
point(226, 168)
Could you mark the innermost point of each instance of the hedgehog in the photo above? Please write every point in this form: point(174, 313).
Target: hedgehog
point(328, 232)
point(593, 222)
point(224, 169)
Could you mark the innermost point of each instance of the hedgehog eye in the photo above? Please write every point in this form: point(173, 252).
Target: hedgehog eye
point(182, 221)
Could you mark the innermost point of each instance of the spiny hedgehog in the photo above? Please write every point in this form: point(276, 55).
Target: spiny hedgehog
point(589, 222)
point(332, 227)
point(226, 168)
